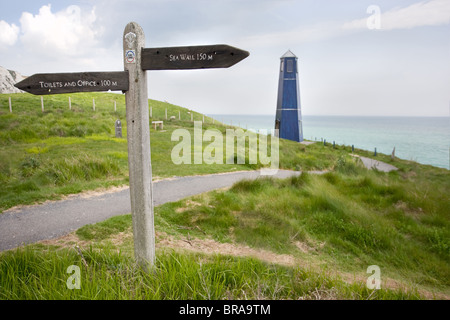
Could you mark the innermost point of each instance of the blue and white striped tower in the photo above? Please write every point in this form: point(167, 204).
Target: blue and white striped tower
point(289, 115)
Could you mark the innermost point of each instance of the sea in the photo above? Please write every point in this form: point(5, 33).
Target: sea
point(425, 140)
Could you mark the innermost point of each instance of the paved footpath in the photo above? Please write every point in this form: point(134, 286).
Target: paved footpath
point(379, 165)
point(57, 218)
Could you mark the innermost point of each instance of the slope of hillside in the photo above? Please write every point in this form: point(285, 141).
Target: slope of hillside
point(59, 151)
point(310, 237)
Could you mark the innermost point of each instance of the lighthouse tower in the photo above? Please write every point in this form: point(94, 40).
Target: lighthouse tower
point(289, 116)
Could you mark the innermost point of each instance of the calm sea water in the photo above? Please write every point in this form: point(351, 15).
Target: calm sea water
point(424, 140)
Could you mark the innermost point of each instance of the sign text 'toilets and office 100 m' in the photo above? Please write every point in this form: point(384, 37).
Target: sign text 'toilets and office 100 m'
point(79, 83)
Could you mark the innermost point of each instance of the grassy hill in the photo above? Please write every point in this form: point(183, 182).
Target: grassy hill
point(310, 237)
point(44, 155)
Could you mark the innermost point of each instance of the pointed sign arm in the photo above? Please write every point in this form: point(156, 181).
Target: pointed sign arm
point(56, 83)
point(194, 57)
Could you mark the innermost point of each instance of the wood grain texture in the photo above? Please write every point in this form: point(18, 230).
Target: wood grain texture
point(139, 153)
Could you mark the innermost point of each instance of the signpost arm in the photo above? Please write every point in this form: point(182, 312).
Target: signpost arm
point(139, 159)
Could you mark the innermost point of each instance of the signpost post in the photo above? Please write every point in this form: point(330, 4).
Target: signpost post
point(139, 158)
point(133, 82)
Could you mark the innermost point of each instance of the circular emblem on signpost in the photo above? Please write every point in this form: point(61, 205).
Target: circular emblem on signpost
point(130, 56)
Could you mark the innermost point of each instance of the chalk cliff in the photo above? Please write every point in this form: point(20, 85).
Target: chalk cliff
point(7, 80)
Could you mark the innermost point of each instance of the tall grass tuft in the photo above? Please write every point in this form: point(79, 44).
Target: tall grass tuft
point(353, 220)
point(41, 273)
point(81, 167)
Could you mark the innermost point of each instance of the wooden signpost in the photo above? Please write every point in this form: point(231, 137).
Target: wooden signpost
point(133, 81)
point(196, 57)
point(57, 83)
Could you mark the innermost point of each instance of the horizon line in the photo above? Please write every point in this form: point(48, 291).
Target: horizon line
point(329, 115)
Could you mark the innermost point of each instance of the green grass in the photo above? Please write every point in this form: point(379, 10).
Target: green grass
point(348, 222)
point(37, 273)
point(336, 224)
point(44, 155)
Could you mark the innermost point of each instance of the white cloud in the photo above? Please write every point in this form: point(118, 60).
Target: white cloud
point(8, 33)
point(431, 13)
point(69, 32)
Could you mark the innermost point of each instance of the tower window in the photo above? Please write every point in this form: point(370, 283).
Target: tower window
point(290, 66)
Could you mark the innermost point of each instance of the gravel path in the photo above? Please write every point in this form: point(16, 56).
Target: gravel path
point(54, 219)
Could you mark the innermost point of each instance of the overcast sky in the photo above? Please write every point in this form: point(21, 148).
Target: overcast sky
point(352, 61)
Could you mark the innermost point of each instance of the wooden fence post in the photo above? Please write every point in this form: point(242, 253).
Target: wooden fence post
point(139, 158)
